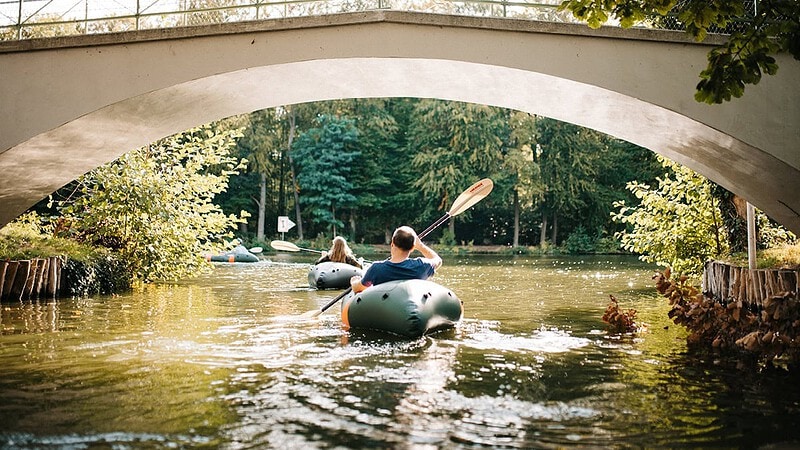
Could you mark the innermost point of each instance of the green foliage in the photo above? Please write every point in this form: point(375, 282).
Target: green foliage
point(741, 60)
point(29, 237)
point(569, 162)
point(154, 205)
point(579, 242)
point(771, 234)
point(676, 224)
point(448, 238)
point(381, 175)
point(262, 144)
point(454, 144)
point(416, 155)
point(324, 155)
point(607, 245)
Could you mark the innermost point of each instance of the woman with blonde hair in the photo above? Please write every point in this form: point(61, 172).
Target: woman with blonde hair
point(339, 252)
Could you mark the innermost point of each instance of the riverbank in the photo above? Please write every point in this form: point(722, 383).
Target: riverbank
point(458, 249)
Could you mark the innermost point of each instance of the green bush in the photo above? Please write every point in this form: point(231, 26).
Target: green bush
point(579, 242)
point(448, 238)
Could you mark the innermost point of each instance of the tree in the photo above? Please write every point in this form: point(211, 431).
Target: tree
point(324, 156)
point(677, 224)
point(568, 161)
point(454, 144)
point(520, 165)
point(155, 205)
point(379, 175)
point(262, 145)
point(774, 27)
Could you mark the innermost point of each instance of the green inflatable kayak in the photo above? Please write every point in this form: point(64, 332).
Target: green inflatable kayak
point(238, 254)
point(409, 308)
point(332, 275)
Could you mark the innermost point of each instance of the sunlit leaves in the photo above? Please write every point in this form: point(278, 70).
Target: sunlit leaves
point(154, 205)
point(742, 60)
point(627, 12)
point(676, 223)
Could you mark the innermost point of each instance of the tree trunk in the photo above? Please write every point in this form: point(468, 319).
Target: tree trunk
point(298, 217)
point(282, 186)
point(555, 228)
point(262, 206)
point(734, 215)
point(516, 219)
point(352, 225)
point(333, 214)
point(543, 232)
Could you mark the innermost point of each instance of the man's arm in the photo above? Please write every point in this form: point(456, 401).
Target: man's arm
point(428, 253)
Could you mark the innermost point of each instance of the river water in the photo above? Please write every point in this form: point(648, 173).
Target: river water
point(223, 361)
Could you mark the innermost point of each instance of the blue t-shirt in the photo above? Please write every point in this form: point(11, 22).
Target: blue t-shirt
point(410, 269)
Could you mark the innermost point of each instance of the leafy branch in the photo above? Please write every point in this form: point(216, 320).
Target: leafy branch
point(742, 60)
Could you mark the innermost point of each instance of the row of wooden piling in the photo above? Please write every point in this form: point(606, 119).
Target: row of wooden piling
point(728, 283)
point(30, 279)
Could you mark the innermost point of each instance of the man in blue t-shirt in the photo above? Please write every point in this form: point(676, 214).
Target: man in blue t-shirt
point(399, 266)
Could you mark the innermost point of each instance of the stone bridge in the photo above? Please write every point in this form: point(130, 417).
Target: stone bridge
point(70, 104)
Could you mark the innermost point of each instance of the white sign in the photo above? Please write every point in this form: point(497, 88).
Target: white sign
point(284, 224)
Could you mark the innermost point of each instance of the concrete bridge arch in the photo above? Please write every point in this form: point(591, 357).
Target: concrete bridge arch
point(73, 103)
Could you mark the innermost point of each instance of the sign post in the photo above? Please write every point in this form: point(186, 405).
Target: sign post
point(284, 225)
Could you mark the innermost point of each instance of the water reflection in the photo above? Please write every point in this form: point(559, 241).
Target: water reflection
point(223, 361)
point(30, 317)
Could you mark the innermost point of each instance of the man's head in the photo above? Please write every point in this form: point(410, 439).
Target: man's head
point(404, 238)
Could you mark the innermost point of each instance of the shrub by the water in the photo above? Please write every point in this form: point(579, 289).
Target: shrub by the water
point(98, 274)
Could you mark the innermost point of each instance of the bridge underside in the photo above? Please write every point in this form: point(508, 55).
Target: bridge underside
point(41, 164)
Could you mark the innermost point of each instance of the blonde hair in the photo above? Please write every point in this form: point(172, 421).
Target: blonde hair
point(340, 250)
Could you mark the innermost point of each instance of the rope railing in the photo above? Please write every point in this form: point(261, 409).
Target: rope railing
point(26, 19)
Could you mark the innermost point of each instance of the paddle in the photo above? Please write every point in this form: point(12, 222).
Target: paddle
point(255, 250)
point(471, 196)
point(290, 247)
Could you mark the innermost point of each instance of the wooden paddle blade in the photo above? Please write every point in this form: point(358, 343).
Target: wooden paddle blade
point(285, 246)
point(255, 250)
point(473, 195)
point(311, 314)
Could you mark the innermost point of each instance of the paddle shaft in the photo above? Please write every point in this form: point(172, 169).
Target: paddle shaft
point(310, 250)
point(424, 233)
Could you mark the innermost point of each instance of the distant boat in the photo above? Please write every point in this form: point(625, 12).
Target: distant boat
point(238, 254)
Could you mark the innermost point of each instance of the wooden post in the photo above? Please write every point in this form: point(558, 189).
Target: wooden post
point(30, 280)
point(751, 236)
point(41, 277)
point(53, 277)
point(55, 280)
point(3, 267)
point(736, 281)
point(11, 273)
point(20, 280)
